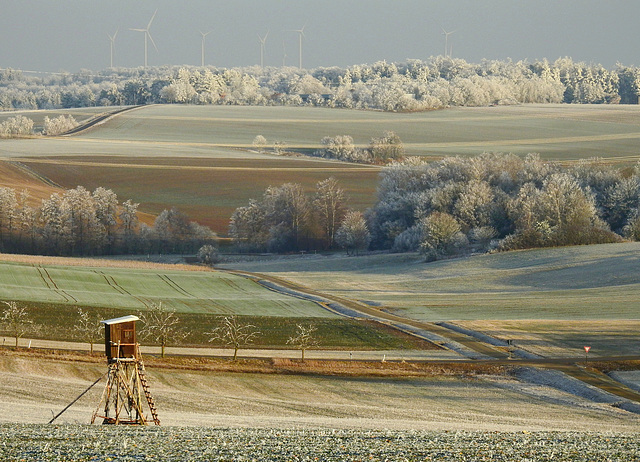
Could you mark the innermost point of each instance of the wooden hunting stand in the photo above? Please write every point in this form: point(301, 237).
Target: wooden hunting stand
point(127, 389)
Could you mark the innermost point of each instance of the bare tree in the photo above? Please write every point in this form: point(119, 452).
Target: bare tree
point(234, 334)
point(160, 326)
point(16, 320)
point(88, 327)
point(304, 338)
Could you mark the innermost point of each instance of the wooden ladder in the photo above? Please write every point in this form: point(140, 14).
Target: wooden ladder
point(147, 393)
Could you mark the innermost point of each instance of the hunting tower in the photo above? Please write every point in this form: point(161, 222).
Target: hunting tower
point(126, 391)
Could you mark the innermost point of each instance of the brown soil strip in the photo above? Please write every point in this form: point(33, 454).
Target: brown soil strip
point(351, 368)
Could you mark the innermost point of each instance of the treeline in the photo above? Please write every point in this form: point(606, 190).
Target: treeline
point(501, 201)
point(288, 219)
point(410, 86)
point(78, 222)
point(451, 207)
point(20, 125)
point(381, 150)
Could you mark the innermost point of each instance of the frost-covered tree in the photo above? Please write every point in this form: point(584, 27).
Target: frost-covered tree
point(387, 147)
point(208, 254)
point(248, 227)
point(329, 205)
point(128, 222)
point(441, 236)
point(16, 126)
point(106, 211)
point(259, 143)
point(287, 210)
point(58, 125)
point(353, 233)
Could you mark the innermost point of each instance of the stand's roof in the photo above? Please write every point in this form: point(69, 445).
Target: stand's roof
point(128, 318)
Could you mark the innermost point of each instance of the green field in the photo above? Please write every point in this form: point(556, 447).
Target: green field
point(594, 282)
point(52, 294)
point(136, 288)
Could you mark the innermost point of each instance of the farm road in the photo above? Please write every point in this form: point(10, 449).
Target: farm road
point(339, 355)
point(100, 118)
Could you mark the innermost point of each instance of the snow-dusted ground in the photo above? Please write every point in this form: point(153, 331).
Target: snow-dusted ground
point(32, 390)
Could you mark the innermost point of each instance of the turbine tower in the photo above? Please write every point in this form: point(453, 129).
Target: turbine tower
point(113, 40)
point(147, 34)
point(203, 40)
point(301, 32)
point(284, 54)
point(263, 40)
point(446, 41)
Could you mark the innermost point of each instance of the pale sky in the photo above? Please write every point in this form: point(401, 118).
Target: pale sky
point(69, 35)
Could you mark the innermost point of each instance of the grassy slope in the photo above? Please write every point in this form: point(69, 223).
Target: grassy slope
point(557, 131)
point(20, 178)
point(52, 289)
point(31, 387)
point(135, 288)
point(571, 283)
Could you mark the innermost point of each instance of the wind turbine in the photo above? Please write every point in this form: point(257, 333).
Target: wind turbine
point(301, 32)
point(203, 36)
point(113, 40)
point(446, 40)
point(263, 40)
point(147, 34)
point(284, 54)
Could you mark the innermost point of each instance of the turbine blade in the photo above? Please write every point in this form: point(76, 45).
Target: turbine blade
point(151, 20)
point(139, 30)
point(154, 43)
point(114, 35)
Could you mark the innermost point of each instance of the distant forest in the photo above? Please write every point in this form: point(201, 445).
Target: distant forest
point(410, 86)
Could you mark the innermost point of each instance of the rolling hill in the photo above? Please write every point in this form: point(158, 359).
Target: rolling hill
point(201, 158)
